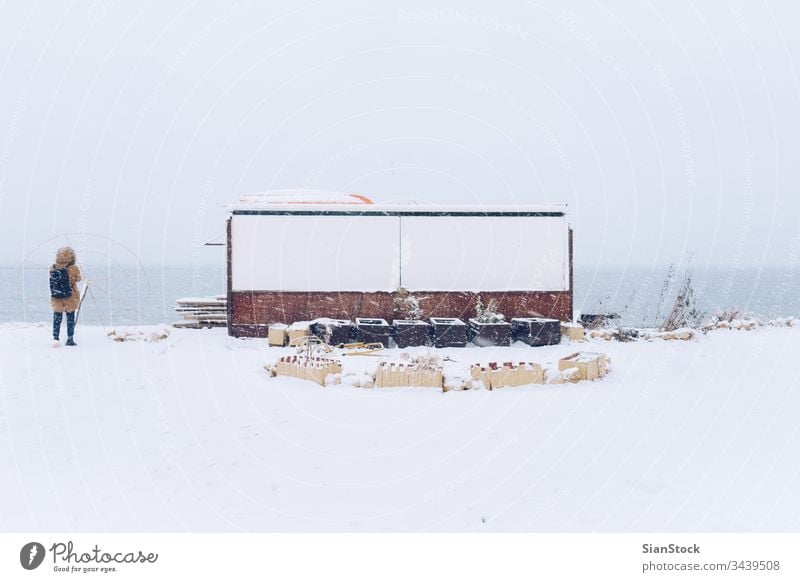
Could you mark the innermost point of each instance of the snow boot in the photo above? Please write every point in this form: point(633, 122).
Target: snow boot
point(57, 317)
point(70, 324)
point(70, 342)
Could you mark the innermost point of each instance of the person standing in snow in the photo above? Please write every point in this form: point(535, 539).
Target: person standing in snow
point(64, 294)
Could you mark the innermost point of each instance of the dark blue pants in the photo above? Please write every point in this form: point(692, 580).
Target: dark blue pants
point(57, 315)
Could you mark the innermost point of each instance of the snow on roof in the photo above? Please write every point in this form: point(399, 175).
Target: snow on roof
point(300, 197)
point(323, 200)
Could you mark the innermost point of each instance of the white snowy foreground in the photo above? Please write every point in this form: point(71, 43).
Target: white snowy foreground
point(189, 434)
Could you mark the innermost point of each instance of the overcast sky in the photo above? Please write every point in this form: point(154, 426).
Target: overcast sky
point(669, 128)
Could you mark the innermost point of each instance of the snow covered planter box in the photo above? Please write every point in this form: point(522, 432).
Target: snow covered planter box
point(490, 334)
point(278, 335)
point(508, 374)
point(393, 376)
point(319, 370)
point(449, 332)
point(333, 332)
point(372, 330)
point(589, 366)
point(573, 331)
point(298, 331)
point(411, 333)
point(536, 331)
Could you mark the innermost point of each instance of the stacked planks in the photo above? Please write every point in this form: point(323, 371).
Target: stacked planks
point(200, 312)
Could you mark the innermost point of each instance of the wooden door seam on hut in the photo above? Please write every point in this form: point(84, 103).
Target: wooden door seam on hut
point(298, 257)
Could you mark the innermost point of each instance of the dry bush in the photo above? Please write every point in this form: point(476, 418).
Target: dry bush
point(428, 360)
point(407, 305)
point(684, 312)
point(487, 313)
point(626, 334)
point(665, 287)
point(729, 314)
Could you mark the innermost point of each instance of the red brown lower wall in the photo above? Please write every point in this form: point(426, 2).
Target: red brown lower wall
point(249, 312)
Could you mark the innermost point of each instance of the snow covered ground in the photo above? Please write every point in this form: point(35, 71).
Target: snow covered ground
point(189, 434)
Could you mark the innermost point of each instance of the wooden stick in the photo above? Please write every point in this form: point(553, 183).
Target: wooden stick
point(80, 303)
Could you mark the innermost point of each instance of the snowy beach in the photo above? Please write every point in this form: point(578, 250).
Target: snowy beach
point(189, 433)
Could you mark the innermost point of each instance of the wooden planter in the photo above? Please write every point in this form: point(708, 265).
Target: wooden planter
point(278, 335)
point(590, 365)
point(298, 332)
point(490, 334)
point(411, 333)
point(536, 331)
point(449, 332)
point(573, 331)
point(370, 330)
point(508, 375)
point(339, 330)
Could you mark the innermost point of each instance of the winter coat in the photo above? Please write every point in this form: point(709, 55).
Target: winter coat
point(65, 258)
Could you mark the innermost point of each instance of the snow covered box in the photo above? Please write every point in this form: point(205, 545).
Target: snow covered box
point(590, 365)
point(573, 331)
point(333, 332)
point(317, 370)
point(298, 332)
point(278, 335)
point(536, 331)
point(390, 375)
point(449, 332)
point(300, 256)
point(490, 334)
point(508, 374)
point(411, 333)
point(373, 330)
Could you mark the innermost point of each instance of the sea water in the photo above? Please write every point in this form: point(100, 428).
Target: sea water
point(644, 296)
point(116, 295)
point(120, 295)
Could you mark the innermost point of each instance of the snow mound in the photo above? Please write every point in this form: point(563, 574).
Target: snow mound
point(133, 334)
point(683, 334)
